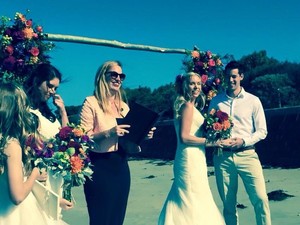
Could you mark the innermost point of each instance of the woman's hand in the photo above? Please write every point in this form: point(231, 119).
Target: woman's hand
point(151, 133)
point(226, 143)
point(41, 174)
point(65, 204)
point(58, 101)
point(120, 130)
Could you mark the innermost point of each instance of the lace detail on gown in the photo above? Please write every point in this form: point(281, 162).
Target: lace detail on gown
point(190, 201)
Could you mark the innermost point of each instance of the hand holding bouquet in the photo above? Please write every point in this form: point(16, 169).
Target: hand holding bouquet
point(40, 152)
point(218, 126)
point(66, 155)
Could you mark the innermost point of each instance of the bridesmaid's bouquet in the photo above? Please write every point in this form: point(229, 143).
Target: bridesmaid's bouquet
point(218, 125)
point(40, 152)
point(71, 157)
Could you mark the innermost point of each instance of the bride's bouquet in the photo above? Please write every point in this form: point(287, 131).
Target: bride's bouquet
point(218, 125)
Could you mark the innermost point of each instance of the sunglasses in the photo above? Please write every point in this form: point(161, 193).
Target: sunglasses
point(114, 75)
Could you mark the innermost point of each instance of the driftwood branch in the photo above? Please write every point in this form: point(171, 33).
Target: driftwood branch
point(114, 44)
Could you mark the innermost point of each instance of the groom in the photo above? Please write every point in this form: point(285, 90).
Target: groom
point(239, 157)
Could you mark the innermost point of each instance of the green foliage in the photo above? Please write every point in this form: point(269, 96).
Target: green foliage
point(276, 83)
point(160, 100)
point(275, 90)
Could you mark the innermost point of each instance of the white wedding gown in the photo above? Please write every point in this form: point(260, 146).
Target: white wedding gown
point(27, 213)
point(190, 201)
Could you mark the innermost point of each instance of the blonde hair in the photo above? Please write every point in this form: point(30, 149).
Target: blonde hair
point(101, 88)
point(16, 122)
point(183, 95)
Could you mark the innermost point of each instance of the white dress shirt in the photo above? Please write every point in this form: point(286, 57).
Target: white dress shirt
point(247, 115)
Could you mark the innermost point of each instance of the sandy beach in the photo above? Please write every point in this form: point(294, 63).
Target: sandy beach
point(152, 179)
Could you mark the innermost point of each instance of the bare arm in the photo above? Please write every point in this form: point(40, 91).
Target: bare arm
point(58, 101)
point(19, 189)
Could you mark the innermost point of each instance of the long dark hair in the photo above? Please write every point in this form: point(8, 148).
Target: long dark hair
point(43, 72)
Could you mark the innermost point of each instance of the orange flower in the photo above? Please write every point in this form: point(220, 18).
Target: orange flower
point(195, 54)
point(78, 132)
point(218, 62)
point(21, 17)
point(212, 111)
point(28, 33)
point(211, 94)
point(76, 164)
point(226, 124)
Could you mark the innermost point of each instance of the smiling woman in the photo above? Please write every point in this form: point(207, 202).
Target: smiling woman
point(107, 193)
point(190, 200)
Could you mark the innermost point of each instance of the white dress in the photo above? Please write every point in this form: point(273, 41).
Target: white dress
point(28, 212)
point(190, 201)
point(48, 130)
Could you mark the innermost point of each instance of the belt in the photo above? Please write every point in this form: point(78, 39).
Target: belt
point(239, 149)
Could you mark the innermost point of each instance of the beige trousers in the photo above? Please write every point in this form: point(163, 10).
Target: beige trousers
point(246, 164)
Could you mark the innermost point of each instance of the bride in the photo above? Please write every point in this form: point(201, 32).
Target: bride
point(190, 201)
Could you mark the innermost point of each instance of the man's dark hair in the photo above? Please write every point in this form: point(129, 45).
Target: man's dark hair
point(234, 65)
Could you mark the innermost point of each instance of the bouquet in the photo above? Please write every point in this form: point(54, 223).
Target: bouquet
point(40, 152)
point(22, 47)
point(71, 157)
point(218, 125)
point(66, 155)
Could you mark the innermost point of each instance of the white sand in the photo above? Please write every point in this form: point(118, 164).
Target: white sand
point(148, 194)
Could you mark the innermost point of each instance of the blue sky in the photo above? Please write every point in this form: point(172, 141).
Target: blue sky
point(233, 26)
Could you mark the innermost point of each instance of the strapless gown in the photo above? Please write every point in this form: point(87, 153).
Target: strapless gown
point(190, 201)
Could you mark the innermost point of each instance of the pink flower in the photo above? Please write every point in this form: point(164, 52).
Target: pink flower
point(28, 23)
point(9, 49)
point(217, 81)
point(217, 126)
point(208, 54)
point(39, 29)
point(34, 51)
point(204, 78)
point(211, 62)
